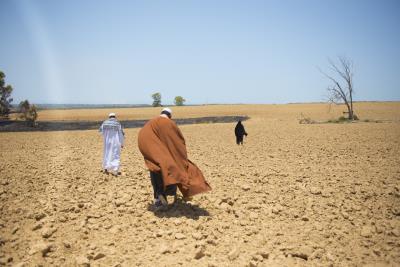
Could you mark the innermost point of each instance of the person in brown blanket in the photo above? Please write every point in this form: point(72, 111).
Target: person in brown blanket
point(164, 150)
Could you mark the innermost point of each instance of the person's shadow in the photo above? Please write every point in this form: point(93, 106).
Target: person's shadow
point(179, 209)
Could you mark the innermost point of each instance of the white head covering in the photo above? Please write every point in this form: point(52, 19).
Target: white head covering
point(112, 114)
point(167, 110)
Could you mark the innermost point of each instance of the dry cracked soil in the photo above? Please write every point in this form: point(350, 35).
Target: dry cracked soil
point(292, 195)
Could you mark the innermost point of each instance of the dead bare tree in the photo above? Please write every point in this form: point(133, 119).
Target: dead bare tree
point(342, 91)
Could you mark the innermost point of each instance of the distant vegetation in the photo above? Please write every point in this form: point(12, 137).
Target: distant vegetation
point(179, 101)
point(342, 119)
point(28, 111)
point(5, 96)
point(156, 99)
point(305, 120)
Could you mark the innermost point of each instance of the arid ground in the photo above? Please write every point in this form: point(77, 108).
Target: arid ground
point(323, 194)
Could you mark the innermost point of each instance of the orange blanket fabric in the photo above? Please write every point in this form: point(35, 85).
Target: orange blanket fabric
point(163, 148)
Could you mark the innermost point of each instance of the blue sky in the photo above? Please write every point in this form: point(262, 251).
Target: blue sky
point(120, 52)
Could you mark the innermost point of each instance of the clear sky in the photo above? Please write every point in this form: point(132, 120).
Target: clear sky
point(120, 52)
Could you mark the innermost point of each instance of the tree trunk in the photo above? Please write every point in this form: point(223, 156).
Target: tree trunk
point(350, 109)
point(351, 103)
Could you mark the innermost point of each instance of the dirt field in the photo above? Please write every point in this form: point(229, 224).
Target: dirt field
point(383, 110)
point(294, 194)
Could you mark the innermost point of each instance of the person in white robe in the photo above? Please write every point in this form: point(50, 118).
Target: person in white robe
point(113, 140)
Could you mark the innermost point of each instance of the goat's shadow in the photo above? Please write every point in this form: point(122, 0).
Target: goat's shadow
point(179, 209)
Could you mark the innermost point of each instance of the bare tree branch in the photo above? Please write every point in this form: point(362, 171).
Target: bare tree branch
point(341, 92)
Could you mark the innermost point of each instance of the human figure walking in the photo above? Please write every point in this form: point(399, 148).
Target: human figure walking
point(113, 139)
point(164, 150)
point(240, 132)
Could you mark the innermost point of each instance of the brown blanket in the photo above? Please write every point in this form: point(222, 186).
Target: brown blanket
point(163, 148)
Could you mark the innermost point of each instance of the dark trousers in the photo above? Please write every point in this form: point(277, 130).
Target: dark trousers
point(239, 139)
point(158, 186)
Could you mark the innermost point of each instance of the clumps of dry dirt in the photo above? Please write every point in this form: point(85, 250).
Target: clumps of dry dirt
point(305, 195)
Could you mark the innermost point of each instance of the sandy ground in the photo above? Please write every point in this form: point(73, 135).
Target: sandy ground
point(305, 195)
point(382, 110)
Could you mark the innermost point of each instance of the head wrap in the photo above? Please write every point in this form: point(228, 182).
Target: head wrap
point(167, 110)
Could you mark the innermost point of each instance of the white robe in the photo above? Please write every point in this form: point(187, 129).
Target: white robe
point(113, 139)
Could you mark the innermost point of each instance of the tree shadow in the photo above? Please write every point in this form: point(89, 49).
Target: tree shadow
point(179, 209)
